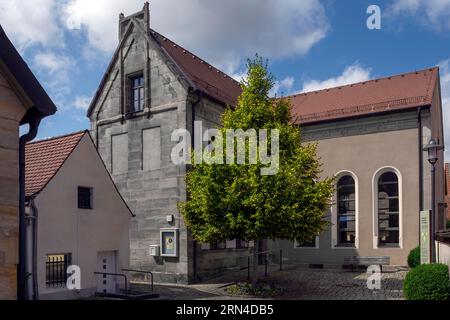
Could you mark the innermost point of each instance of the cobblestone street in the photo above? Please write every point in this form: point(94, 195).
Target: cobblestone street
point(302, 284)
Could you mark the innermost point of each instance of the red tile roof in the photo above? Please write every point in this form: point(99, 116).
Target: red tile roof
point(44, 158)
point(380, 95)
point(391, 93)
point(205, 77)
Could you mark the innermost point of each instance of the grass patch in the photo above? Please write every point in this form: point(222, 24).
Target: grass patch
point(262, 290)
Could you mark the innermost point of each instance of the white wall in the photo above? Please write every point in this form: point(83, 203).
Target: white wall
point(443, 252)
point(63, 228)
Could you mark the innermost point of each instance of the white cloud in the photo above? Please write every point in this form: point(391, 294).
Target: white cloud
point(52, 63)
point(445, 93)
point(31, 22)
point(351, 74)
point(99, 18)
point(221, 32)
point(283, 87)
point(82, 102)
point(54, 70)
point(430, 13)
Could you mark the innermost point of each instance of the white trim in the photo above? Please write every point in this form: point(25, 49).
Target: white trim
point(375, 178)
point(334, 244)
point(316, 246)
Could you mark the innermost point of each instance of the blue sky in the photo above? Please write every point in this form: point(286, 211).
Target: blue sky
point(310, 44)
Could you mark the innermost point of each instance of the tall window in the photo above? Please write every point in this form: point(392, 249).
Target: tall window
point(388, 210)
point(137, 93)
point(346, 211)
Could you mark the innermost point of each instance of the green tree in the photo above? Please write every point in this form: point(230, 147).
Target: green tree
point(235, 201)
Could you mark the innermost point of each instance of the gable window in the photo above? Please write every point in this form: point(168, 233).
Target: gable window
point(388, 209)
point(137, 93)
point(346, 204)
point(56, 269)
point(84, 198)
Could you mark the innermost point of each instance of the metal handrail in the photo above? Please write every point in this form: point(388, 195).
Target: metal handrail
point(265, 261)
point(142, 271)
point(116, 275)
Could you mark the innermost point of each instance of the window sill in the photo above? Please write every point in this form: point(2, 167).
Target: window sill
point(135, 114)
point(345, 247)
point(396, 246)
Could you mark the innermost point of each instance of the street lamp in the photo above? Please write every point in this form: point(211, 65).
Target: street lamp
point(432, 148)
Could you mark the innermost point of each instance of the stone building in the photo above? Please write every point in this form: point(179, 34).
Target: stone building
point(151, 88)
point(369, 134)
point(371, 137)
point(22, 101)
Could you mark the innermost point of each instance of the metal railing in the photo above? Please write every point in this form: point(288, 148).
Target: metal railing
point(142, 271)
point(266, 261)
point(116, 275)
point(55, 270)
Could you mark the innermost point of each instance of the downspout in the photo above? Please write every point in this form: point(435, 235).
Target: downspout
point(419, 120)
point(34, 220)
point(194, 105)
point(21, 276)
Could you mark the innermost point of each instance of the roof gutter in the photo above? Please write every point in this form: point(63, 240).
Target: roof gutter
point(35, 118)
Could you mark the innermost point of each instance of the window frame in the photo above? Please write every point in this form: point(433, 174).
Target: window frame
point(133, 89)
point(66, 262)
point(375, 208)
point(334, 213)
point(91, 198)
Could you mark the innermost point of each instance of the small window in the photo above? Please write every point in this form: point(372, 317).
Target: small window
point(137, 93)
point(56, 269)
point(84, 198)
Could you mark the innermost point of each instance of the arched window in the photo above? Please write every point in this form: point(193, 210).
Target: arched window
point(346, 204)
point(388, 210)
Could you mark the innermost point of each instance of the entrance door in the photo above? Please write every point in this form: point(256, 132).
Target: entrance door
point(106, 262)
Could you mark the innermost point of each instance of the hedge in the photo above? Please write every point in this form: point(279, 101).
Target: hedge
point(414, 257)
point(427, 282)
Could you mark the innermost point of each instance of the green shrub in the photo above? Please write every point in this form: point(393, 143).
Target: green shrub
point(448, 224)
point(427, 282)
point(414, 257)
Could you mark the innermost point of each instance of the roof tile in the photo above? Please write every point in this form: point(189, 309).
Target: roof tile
point(44, 158)
point(395, 92)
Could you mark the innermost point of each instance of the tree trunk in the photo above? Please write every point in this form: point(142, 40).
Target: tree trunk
point(255, 263)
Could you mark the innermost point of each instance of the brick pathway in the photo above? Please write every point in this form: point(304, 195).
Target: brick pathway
point(302, 284)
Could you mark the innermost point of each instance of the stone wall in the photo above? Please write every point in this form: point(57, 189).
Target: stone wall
point(11, 112)
point(151, 190)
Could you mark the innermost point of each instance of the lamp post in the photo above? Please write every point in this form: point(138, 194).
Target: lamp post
point(432, 149)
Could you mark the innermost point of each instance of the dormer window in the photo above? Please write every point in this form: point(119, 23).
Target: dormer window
point(137, 93)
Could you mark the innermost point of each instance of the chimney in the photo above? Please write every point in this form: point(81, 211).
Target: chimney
point(142, 16)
